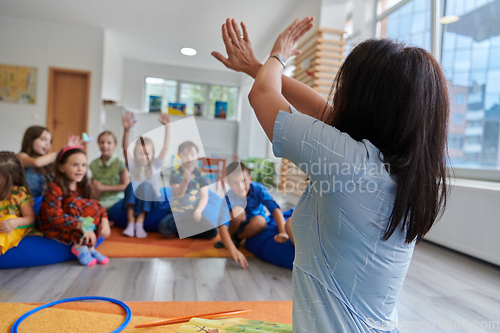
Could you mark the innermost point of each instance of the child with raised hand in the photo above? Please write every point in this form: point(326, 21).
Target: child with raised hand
point(246, 200)
point(140, 196)
point(16, 211)
point(37, 160)
point(69, 213)
point(109, 175)
point(190, 189)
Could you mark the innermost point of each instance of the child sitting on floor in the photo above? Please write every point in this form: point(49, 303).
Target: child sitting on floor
point(37, 160)
point(69, 213)
point(16, 211)
point(190, 189)
point(140, 195)
point(109, 174)
point(246, 201)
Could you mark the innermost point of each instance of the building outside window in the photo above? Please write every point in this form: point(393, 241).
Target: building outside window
point(471, 61)
point(470, 56)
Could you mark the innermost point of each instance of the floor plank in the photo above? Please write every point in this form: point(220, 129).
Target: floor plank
point(441, 284)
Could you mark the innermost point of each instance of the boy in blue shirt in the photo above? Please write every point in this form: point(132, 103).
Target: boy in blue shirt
point(246, 201)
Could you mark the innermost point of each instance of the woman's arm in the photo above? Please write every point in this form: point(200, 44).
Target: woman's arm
point(36, 162)
point(265, 97)
point(241, 58)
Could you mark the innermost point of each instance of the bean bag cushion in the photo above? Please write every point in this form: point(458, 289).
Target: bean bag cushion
point(119, 215)
point(264, 247)
point(37, 251)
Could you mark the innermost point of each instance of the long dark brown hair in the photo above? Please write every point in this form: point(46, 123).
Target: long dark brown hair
point(62, 180)
point(31, 134)
point(397, 98)
point(11, 174)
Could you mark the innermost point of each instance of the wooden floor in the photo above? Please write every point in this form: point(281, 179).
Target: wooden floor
point(440, 285)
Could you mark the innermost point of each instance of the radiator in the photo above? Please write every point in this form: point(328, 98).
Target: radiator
point(471, 222)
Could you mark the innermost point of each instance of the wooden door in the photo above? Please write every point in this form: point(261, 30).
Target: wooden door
point(68, 104)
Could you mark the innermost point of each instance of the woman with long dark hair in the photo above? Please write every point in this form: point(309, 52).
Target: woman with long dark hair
point(376, 159)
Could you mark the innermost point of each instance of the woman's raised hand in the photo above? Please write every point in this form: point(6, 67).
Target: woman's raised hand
point(240, 56)
point(285, 42)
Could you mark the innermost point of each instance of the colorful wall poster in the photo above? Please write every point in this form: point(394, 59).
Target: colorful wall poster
point(220, 109)
point(154, 103)
point(177, 109)
point(18, 84)
point(198, 109)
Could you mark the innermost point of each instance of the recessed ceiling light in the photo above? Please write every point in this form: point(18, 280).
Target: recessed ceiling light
point(449, 19)
point(188, 51)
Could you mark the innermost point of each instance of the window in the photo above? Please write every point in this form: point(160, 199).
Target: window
point(471, 59)
point(458, 119)
point(224, 94)
point(160, 90)
point(191, 94)
point(202, 97)
point(410, 23)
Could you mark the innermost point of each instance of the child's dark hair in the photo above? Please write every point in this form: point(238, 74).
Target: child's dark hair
point(11, 173)
point(31, 134)
point(61, 178)
point(186, 145)
point(107, 133)
point(232, 167)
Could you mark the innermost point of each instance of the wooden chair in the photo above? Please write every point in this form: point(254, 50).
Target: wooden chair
point(216, 168)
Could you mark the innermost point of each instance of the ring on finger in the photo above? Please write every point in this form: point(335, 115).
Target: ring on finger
point(241, 37)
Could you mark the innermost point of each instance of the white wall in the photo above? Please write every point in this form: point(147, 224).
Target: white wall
point(112, 70)
point(44, 45)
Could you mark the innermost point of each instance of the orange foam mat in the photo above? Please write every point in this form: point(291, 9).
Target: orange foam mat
point(156, 246)
point(104, 317)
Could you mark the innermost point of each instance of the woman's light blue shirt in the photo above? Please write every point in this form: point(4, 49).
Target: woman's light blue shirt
point(346, 279)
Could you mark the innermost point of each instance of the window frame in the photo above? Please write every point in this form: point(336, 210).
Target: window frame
point(206, 98)
point(437, 11)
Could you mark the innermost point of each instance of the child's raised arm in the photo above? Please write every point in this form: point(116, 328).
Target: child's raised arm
point(164, 118)
point(36, 162)
point(127, 121)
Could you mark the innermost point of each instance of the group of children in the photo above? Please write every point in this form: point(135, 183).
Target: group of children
point(73, 208)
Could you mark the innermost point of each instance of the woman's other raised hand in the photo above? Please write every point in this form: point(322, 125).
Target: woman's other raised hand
point(240, 56)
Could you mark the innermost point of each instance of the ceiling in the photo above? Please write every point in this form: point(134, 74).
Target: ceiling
point(156, 30)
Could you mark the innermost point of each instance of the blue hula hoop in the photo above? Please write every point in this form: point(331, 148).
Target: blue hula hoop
point(127, 309)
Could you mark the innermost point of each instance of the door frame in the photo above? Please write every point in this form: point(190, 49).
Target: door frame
point(51, 99)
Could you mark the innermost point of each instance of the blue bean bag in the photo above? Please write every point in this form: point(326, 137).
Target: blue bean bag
point(264, 247)
point(37, 250)
point(118, 214)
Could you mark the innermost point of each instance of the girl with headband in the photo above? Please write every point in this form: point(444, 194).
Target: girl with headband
point(69, 212)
